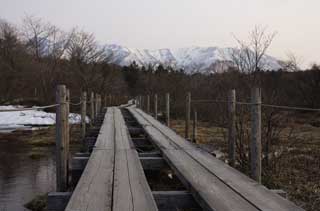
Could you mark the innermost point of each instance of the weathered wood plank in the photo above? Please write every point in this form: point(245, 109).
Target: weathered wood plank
point(257, 195)
point(94, 190)
point(131, 190)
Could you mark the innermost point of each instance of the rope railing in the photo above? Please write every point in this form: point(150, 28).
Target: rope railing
point(29, 109)
point(76, 104)
point(262, 104)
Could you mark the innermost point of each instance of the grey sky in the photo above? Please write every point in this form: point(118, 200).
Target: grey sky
point(182, 23)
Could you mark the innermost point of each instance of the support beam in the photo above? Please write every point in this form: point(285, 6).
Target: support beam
point(77, 167)
point(152, 163)
point(57, 201)
point(135, 130)
point(141, 142)
point(150, 154)
point(174, 200)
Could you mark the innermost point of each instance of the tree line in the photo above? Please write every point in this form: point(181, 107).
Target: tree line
point(37, 56)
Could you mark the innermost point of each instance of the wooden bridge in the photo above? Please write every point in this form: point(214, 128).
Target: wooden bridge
point(133, 153)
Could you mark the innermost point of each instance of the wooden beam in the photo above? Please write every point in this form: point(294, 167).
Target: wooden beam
point(77, 166)
point(150, 154)
point(152, 163)
point(57, 201)
point(174, 200)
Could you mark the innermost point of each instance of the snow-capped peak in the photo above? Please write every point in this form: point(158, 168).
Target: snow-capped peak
point(192, 59)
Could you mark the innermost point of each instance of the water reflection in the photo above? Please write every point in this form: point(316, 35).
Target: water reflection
point(22, 178)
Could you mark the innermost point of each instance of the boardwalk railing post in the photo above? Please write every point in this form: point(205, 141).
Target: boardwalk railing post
point(83, 115)
point(232, 127)
point(194, 128)
point(255, 146)
point(142, 102)
point(61, 138)
point(188, 114)
point(105, 103)
point(148, 104)
point(96, 108)
point(67, 134)
point(156, 106)
point(92, 108)
point(168, 109)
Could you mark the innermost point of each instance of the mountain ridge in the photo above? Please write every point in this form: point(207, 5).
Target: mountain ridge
point(191, 59)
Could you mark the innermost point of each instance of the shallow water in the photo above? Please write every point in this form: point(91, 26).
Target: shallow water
point(22, 178)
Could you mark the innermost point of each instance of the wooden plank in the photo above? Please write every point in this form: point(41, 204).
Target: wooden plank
point(104, 139)
point(94, 190)
point(131, 190)
point(259, 196)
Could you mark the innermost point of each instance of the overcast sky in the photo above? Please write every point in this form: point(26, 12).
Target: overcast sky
point(182, 23)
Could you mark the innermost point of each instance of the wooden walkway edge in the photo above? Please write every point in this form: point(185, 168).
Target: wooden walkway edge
point(214, 184)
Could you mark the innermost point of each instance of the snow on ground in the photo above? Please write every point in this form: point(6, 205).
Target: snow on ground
point(24, 119)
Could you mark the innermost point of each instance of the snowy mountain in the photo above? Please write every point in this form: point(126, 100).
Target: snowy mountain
point(193, 59)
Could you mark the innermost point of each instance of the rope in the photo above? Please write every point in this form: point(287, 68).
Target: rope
point(291, 108)
point(209, 101)
point(262, 104)
point(76, 104)
point(29, 109)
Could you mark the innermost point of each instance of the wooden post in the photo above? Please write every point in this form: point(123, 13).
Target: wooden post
point(188, 114)
point(67, 135)
point(142, 102)
point(92, 108)
point(194, 128)
point(96, 105)
point(110, 100)
point(232, 127)
point(255, 146)
point(156, 106)
point(168, 109)
point(83, 114)
point(61, 138)
point(105, 103)
point(148, 103)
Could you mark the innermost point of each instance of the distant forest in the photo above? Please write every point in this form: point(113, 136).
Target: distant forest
point(37, 56)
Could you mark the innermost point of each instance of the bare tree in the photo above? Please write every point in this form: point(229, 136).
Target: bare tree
point(293, 63)
point(87, 58)
point(47, 45)
point(248, 57)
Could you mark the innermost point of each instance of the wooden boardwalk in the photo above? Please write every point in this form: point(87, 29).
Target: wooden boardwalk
point(114, 177)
